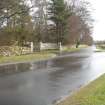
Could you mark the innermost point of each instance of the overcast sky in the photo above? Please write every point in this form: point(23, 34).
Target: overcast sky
point(99, 16)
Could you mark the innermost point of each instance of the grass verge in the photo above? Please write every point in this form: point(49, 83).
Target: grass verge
point(72, 49)
point(29, 57)
point(100, 49)
point(93, 94)
point(34, 57)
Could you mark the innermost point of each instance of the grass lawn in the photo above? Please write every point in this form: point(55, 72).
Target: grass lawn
point(36, 56)
point(100, 49)
point(29, 57)
point(72, 49)
point(93, 94)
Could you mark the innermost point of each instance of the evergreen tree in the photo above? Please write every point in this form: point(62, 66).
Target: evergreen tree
point(59, 14)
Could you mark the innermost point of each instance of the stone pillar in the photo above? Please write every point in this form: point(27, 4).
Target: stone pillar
point(60, 46)
point(41, 45)
point(32, 47)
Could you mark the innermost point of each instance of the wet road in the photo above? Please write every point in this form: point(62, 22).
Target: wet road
point(44, 82)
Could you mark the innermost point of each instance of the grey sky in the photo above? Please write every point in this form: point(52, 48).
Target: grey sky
point(99, 16)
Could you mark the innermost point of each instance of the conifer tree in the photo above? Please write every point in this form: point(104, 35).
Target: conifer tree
point(59, 14)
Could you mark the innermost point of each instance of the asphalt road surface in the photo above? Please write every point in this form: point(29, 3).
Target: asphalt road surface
point(45, 82)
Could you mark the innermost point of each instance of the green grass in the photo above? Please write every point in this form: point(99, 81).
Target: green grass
point(93, 94)
point(100, 48)
point(36, 56)
point(72, 49)
point(29, 57)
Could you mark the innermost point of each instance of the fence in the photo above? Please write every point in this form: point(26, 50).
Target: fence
point(46, 46)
